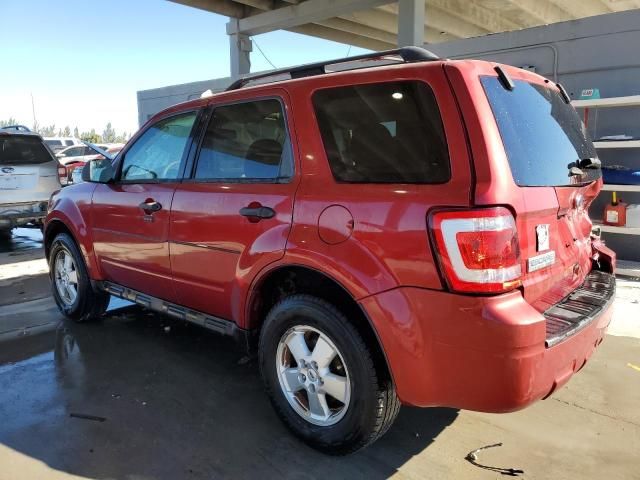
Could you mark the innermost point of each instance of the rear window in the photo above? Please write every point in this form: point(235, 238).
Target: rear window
point(53, 143)
point(543, 136)
point(23, 150)
point(383, 133)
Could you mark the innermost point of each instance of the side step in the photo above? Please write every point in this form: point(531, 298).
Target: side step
point(216, 324)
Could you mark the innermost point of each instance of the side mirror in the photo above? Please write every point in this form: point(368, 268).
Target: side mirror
point(98, 171)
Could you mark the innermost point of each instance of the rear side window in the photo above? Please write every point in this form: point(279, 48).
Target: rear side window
point(543, 136)
point(157, 154)
point(246, 142)
point(383, 133)
point(23, 150)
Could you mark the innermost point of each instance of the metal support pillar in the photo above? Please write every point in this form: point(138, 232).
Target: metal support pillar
point(240, 48)
point(411, 19)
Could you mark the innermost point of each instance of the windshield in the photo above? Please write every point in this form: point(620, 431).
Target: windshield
point(543, 136)
point(23, 150)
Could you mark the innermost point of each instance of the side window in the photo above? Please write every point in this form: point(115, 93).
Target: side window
point(157, 154)
point(74, 152)
point(246, 142)
point(383, 133)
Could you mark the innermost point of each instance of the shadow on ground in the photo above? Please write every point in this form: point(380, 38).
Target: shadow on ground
point(177, 402)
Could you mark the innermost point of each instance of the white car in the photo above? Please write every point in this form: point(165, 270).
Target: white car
point(28, 177)
point(78, 153)
point(58, 143)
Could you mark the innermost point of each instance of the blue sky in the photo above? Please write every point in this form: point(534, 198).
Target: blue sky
point(83, 61)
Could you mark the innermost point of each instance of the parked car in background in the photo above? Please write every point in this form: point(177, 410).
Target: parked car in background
point(16, 128)
point(414, 233)
point(58, 143)
point(74, 158)
point(28, 177)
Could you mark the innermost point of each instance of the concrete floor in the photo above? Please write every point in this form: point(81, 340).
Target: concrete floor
point(138, 396)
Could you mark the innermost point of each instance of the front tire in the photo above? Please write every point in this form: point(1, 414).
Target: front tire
point(321, 377)
point(71, 286)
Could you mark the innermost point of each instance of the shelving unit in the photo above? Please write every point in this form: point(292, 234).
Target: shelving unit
point(630, 101)
point(617, 144)
point(609, 187)
point(621, 230)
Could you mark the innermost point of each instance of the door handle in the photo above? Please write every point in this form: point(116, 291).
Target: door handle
point(150, 206)
point(258, 212)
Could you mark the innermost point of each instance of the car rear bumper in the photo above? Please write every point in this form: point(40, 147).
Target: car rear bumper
point(17, 214)
point(478, 353)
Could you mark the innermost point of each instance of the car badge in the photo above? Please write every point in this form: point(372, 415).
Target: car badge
point(8, 169)
point(542, 237)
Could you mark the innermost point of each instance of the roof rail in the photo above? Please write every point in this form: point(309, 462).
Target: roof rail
point(407, 54)
point(16, 128)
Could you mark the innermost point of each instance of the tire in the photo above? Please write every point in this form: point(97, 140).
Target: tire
point(370, 404)
point(88, 304)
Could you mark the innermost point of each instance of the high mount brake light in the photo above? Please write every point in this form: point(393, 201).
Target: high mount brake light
point(478, 249)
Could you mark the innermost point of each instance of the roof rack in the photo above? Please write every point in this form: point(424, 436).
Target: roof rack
point(16, 128)
point(407, 54)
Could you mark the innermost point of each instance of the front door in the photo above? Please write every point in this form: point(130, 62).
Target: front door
point(131, 215)
point(234, 215)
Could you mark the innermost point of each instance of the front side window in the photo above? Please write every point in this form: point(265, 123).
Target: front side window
point(158, 153)
point(383, 133)
point(246, 142)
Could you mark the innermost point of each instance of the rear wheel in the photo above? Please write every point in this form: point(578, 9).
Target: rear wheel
point(321, 377)
point(72, 290)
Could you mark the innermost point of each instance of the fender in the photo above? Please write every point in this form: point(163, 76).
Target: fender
point(368, 278)
point(73, 210)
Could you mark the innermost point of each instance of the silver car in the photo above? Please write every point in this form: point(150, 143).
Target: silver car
point(28, 177)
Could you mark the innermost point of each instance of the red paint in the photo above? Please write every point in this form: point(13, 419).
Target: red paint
point(482, 352)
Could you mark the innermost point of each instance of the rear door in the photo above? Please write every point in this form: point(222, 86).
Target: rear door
point(131, 215)
point(234, 215)
point(555, 176)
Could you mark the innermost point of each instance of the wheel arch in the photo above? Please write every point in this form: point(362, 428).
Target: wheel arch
point(286, 280)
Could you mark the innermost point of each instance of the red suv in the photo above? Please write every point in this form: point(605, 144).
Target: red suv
point(408, 230)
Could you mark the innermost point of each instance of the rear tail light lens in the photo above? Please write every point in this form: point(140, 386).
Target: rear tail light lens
point(63, 175)
point(478, 249)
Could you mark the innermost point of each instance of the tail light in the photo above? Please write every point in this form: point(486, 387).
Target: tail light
point(478, 249)
point(63, 175)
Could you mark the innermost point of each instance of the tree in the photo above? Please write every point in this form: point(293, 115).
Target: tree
point(47, 131)
point(6, 123)
point(76, 134)
point(109, 134)
point(91, 137)
point(66, 132)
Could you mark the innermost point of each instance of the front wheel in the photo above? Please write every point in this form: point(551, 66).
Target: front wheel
point(321, 377)
point(72, 289)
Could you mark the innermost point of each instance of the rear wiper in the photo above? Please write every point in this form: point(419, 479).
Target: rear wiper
point(590, 162)
point(575, 172)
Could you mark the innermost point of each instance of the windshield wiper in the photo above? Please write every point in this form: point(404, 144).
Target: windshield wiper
point(575, 172)
point(590, 162)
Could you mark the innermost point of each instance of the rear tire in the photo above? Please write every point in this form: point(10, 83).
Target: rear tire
point(71, 287)
point(359, 404)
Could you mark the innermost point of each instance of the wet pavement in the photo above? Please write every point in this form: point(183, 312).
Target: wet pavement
point(140, 396)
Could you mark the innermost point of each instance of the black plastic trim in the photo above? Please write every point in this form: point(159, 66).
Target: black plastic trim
point(246, 338)
point(407, 54)
point(580, 307)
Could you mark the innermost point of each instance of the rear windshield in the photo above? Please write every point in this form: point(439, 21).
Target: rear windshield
point(543, 136)
point(23, 150)
point(383, 133)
